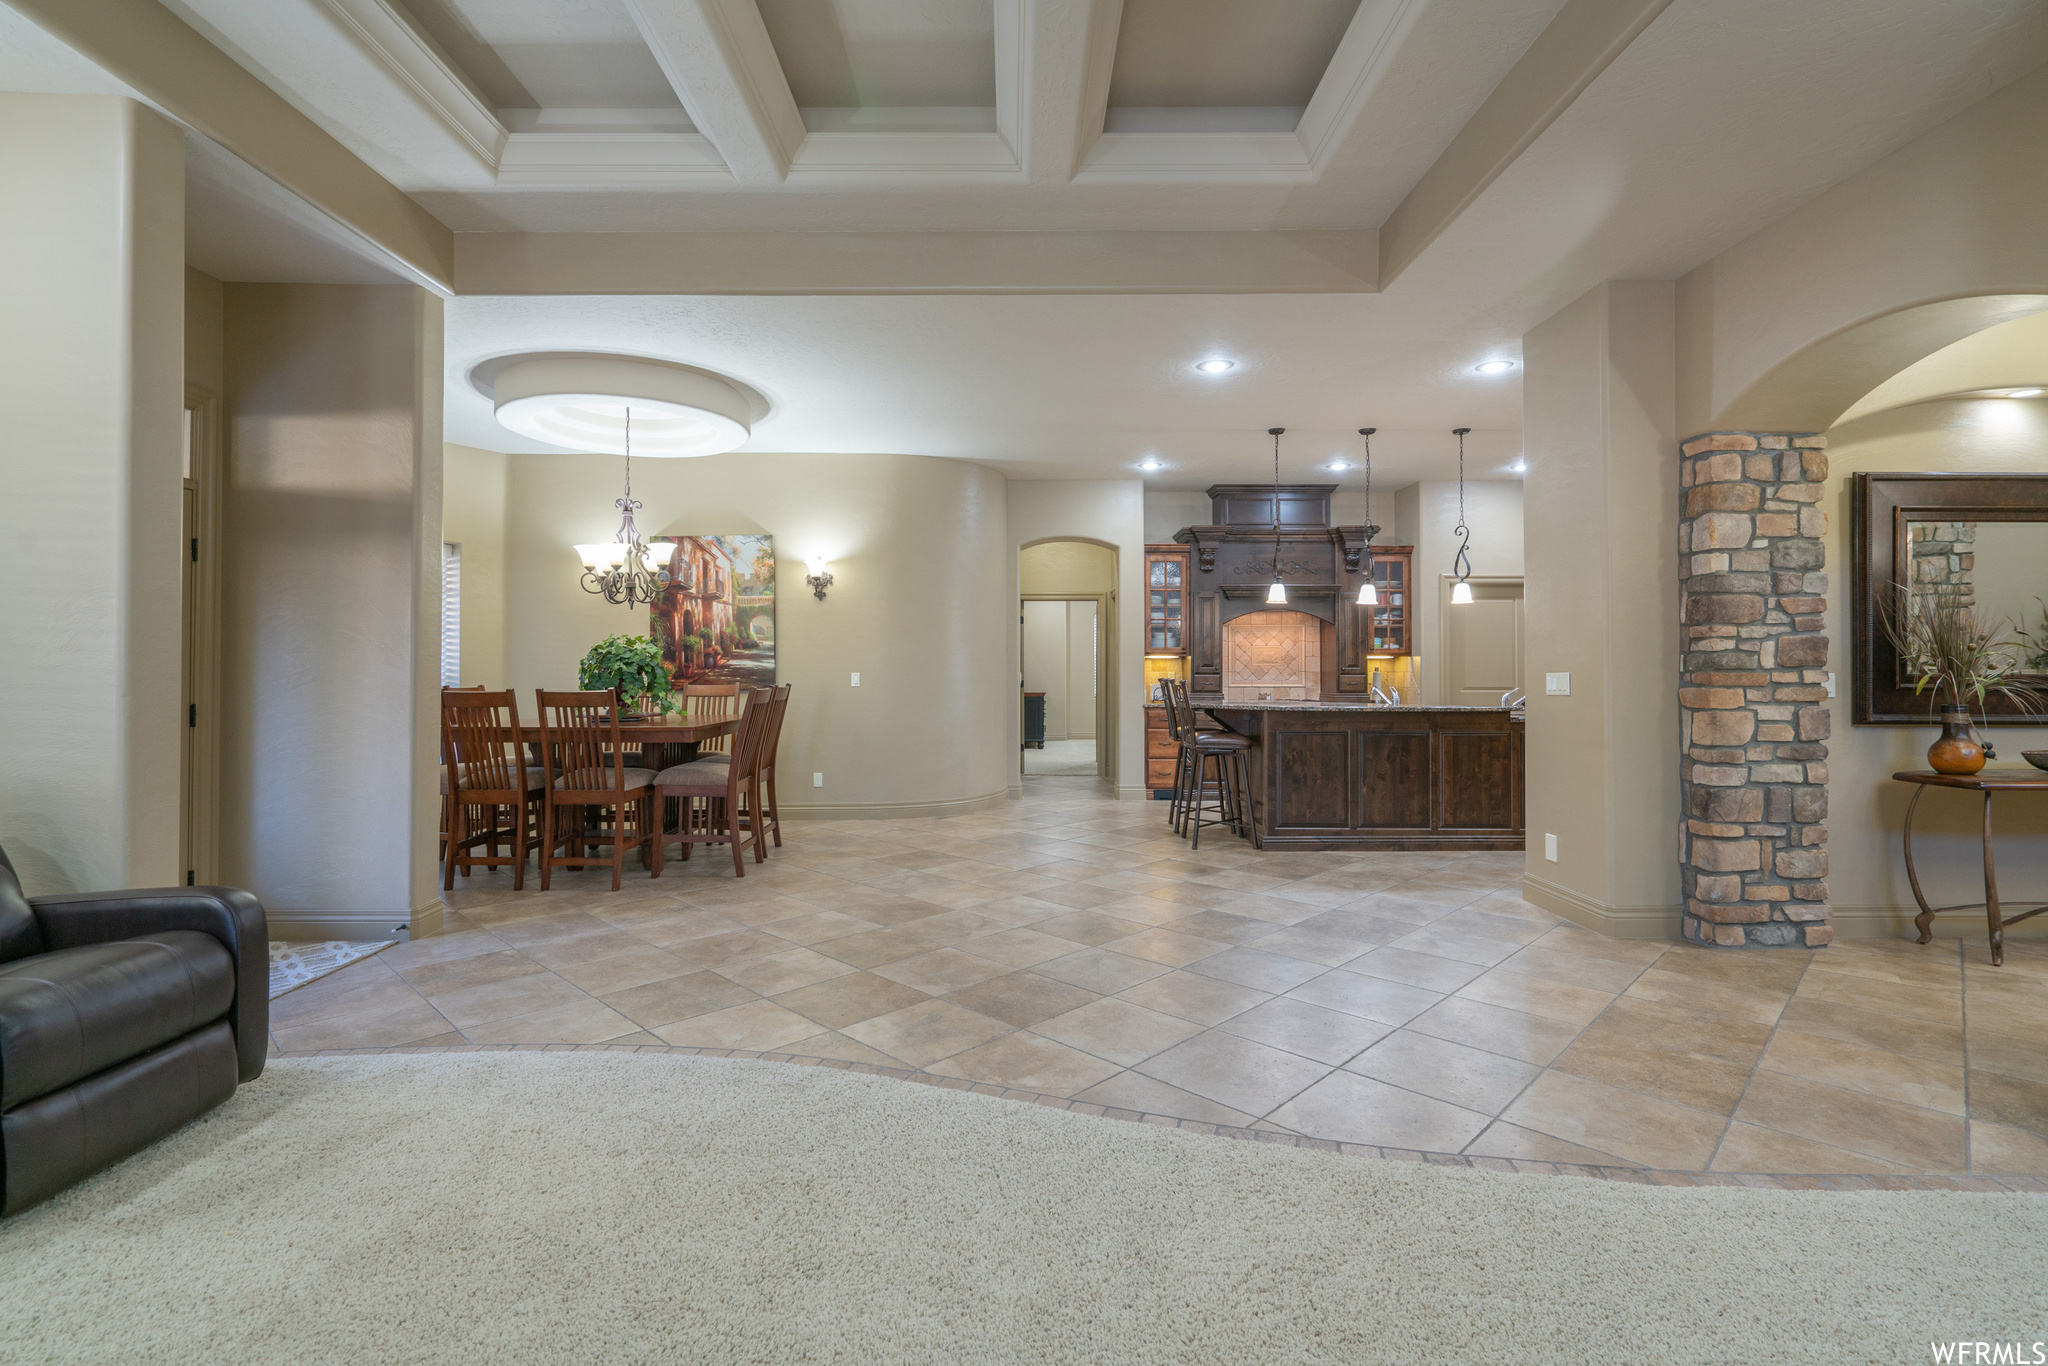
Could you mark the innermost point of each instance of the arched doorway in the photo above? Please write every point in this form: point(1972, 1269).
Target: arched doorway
point(1066, 627)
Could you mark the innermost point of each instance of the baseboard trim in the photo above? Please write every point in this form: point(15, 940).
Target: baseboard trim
point(891, 811)
point(303, 927)
point(1616, 922)
point(1896, 922)
point(1131, 794)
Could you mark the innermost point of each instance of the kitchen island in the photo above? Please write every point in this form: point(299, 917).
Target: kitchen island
point(1345, 775)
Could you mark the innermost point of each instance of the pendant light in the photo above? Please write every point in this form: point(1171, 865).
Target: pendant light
point(1368, 592)
point(1461, 591)
point(623, 570)
point(1277, 594)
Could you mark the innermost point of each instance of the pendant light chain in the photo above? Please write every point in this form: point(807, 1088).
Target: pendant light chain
point(631, 578)
point(1461, 564)
point(1368, 592)
point(1278, 592)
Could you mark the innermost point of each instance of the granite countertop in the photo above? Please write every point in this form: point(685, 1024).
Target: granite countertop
point(1331, 706)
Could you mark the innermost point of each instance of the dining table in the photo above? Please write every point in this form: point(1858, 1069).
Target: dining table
point(667, 740)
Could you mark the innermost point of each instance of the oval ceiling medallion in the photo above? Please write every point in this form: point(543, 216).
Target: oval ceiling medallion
point(580, 401)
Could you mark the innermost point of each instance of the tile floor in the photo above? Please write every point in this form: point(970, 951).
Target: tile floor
point(1072, 947)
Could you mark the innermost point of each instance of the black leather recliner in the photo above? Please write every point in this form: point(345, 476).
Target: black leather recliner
point(122, 1016)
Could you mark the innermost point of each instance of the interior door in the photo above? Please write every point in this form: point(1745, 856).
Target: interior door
point(1483, 644)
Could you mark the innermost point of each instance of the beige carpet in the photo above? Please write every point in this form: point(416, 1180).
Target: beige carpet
point(618, 1207)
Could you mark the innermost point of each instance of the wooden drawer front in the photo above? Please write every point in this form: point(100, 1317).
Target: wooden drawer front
point(1155, 718)
point(1160, 745)
point(1159, 773)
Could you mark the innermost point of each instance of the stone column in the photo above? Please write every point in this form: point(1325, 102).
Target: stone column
point(1752, 851)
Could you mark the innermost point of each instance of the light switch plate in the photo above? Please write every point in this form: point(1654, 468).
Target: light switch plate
point(1550, 847)
point(817, 780)
point(856, 680)
point(1557, 685)
point(1831, 685)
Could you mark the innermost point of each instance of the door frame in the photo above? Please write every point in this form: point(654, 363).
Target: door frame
point(1437, 654)
point(1105, 678)
point(199, 644)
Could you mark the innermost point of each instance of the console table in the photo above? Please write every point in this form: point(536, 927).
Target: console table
point(1987, 782)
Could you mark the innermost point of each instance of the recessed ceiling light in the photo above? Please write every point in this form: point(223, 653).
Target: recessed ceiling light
point(1215, 367)
point(1494, 367)
point(1338, 465)
point(1151, 465)
point(2024, 393)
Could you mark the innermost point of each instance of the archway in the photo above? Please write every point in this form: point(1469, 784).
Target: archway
point(1066, 650)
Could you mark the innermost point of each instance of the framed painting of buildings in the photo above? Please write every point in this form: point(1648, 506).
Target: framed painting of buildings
point(715, 617)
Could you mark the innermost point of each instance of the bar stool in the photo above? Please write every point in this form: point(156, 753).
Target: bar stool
point(1180, 754)
point(1207, 753)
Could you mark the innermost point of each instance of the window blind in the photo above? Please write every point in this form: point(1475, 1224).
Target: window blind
point(451, 615)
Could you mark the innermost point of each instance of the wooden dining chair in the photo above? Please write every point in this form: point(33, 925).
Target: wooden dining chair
point(709, 788)
point(770, 813)
point(713, 702)
point(490, 796)
point(445, 810)
point(587, 772)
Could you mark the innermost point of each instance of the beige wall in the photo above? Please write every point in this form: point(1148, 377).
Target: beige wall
point(1424, 515)
point(205, 332)
point(91, 379)
point(1947, 227)
point(1602, 599)
point(1110, 513)
point(922, 606)
point(1866, 810)
point(473, 517)
point(329, 802)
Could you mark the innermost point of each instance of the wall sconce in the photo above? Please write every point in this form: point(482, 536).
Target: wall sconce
point(818, 579)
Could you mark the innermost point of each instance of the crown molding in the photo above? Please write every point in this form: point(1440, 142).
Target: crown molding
point(419, 65)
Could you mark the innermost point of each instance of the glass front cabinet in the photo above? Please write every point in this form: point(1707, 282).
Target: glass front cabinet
point(1166, 599)
point(1392, 619)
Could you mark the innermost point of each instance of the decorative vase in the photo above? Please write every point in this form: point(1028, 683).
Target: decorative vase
point(1956, 753)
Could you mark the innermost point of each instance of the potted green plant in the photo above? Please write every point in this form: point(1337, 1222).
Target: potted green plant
point(631, 666)
point(1950, 655)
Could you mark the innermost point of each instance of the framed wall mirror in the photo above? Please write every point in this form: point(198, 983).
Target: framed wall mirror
point(1977, 542)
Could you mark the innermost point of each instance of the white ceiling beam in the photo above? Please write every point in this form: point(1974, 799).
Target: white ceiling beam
point(1578, 44)
point(852, 263)
point(418, 65)
point(1362, 58)
point(717, 55)
point(175, 69)
point(1053, 62)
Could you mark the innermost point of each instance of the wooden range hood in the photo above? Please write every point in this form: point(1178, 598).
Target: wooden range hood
point(1232, 567)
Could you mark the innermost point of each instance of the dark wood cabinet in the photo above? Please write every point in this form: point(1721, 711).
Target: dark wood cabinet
point(1166, 600)
point(1161, 754)
point(1382, 777)
point(1391, 627)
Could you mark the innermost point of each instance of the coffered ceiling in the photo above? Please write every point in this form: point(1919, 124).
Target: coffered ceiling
point(1358, 200)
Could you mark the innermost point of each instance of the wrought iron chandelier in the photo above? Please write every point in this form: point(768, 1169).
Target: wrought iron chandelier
point(623, 570)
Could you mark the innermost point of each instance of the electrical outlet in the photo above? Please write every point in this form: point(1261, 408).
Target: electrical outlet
point(1550, 847)
point(817, 780)
point(1557, 685)
point(856, 680)
point(1831, 685)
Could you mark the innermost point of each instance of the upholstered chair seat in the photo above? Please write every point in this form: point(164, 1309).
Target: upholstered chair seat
point(600, 780)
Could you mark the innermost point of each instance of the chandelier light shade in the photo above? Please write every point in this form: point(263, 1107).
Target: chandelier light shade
point(1368, 592)
point(1461, 565)
point(580, 401)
